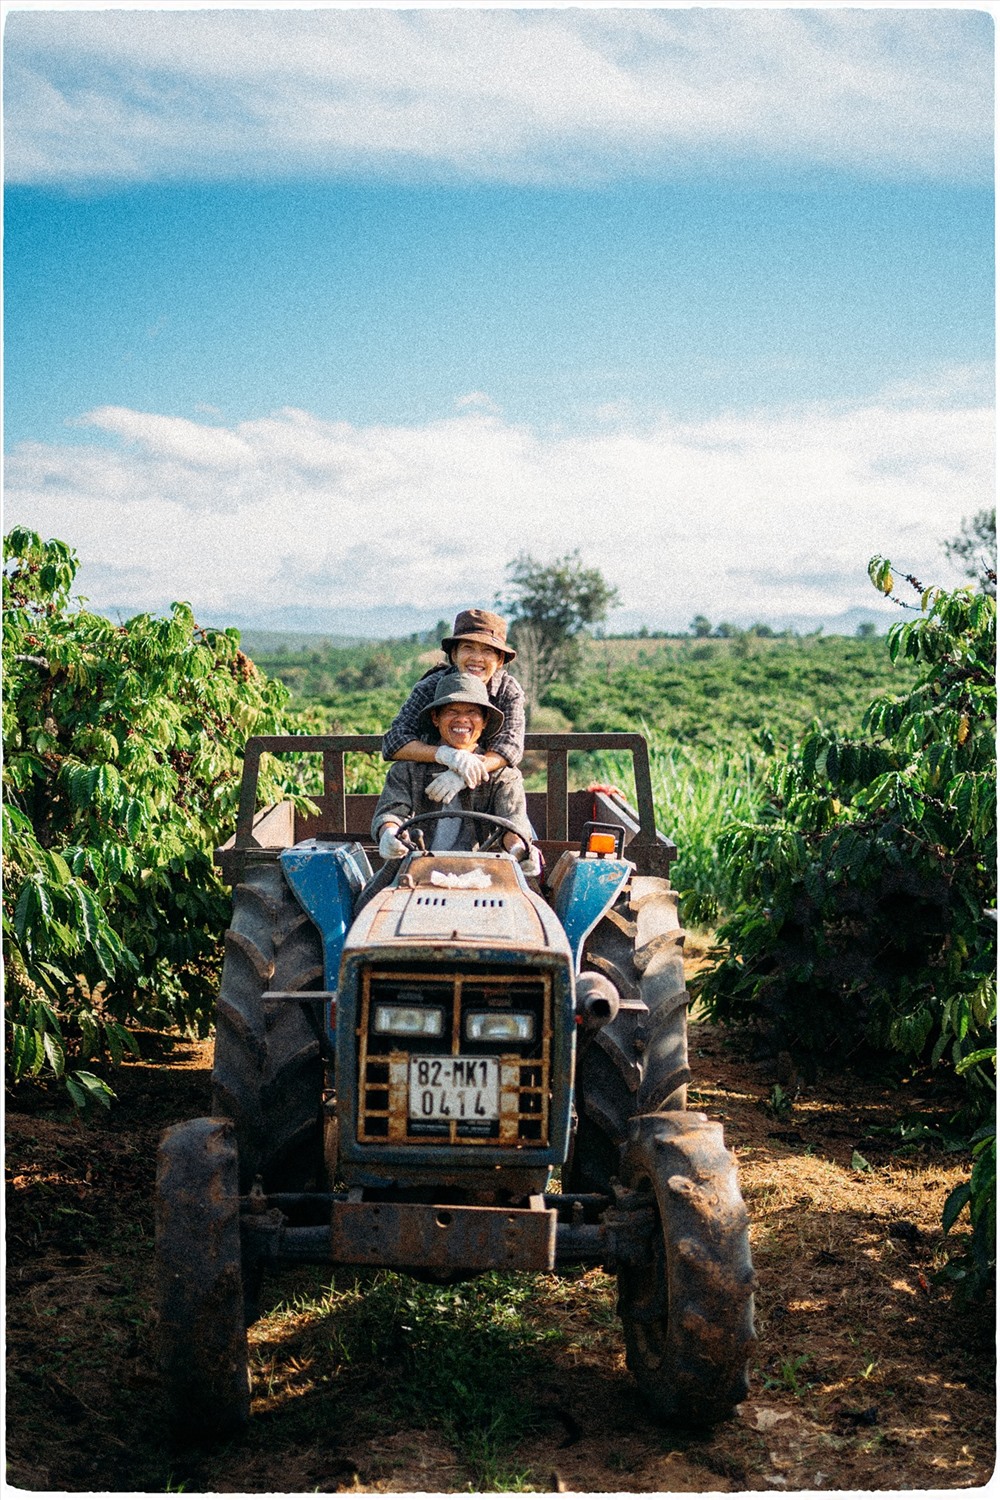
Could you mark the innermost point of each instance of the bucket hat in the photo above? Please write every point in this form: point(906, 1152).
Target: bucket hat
point(460, 687)
point(480, 625)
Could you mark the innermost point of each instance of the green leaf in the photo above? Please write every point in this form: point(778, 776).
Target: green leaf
point(59, 870)
point(134, 817)
point(118, 1040)
point(984, 1054)
point(54, 1053)
point(87, 1089)
point(77, 1093)
point(880, 573)
point(954, 1203)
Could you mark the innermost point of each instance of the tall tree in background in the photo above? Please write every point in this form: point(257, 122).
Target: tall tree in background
point(551, 607)
point(975, 549)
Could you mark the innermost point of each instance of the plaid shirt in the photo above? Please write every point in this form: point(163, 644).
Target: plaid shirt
point(504, 692)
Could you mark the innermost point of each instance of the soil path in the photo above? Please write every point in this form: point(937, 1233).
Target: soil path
point(865, 1374)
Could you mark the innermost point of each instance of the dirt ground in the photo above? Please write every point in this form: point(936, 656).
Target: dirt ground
point(865, 1375)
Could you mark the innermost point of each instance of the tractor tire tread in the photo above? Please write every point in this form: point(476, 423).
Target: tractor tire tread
point(687, 1313)
point(201, 1331)
point(622, 1068)
point(260, 1044)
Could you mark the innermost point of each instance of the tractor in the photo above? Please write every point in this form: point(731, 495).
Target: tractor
point(399, 1077)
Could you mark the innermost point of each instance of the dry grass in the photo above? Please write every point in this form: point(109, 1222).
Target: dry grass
point(865, 1376)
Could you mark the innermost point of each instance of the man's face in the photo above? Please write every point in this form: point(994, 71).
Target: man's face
point(476, 659)
point(460, 725)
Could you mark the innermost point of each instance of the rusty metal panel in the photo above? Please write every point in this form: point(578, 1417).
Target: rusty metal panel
point(557, 811)
point(510, 1099)
point(399, 1095)
point(359, 808)
point(274, 826)
point(333, 747)
point(333, 787)
point(418, 1234)
point(557, 786)
point(369, 1155)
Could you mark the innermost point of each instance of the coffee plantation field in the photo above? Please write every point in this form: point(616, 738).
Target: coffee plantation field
point(721, 694)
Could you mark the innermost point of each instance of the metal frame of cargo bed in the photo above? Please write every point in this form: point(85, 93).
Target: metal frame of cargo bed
point(557, 813)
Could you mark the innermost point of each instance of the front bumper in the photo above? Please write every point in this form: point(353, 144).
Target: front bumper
point(421, 1236)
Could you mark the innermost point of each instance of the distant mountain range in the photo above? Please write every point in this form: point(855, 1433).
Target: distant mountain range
point(341, 627)
point(348, 627)
point(846, 623)
point(291, 624)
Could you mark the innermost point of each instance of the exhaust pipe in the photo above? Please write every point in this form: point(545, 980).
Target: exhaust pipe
point(597, 1001)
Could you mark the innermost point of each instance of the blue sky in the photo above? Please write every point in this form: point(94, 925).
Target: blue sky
point(311, 311)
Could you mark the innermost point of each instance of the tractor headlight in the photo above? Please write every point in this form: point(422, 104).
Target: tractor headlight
point(499, 1026)
point(409, 1020)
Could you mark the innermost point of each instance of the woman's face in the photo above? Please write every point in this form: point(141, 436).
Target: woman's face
point(460, 725)
point(476, 659)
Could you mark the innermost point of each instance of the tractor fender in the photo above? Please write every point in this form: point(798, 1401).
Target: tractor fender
point(583, 889)
point(326, 879)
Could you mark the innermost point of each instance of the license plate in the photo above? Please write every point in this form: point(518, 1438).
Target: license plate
point(454, 1088)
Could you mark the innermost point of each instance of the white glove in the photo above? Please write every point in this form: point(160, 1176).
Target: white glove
point(471, 768)
point(445, 786)
point(389, 846)
point(530, 859)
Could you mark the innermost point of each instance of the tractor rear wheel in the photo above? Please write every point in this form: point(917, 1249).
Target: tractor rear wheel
point(687, 1309)
point(267, 1075)
point(202, 1336)
point(638, 1063)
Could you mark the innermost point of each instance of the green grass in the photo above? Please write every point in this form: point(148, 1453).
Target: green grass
point(786, 1376)
point(696, 793)
point(465, 1361)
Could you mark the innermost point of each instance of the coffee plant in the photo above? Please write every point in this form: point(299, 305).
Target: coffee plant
point(865, 921)
point(122, 756)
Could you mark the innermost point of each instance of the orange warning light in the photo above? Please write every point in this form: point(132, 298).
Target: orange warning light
point(601, 843)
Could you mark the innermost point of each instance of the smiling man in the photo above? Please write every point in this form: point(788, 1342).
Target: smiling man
point(477, 647)
point(458, 719)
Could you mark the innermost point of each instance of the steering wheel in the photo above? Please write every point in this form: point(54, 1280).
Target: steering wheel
point(501, 826)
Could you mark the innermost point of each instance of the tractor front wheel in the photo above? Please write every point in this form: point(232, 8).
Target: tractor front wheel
point(200, 1295)
point(687, 1308)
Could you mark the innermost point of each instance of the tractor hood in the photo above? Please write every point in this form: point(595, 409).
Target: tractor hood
point(477, 899)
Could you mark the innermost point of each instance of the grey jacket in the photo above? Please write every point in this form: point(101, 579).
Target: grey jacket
point(403, 796)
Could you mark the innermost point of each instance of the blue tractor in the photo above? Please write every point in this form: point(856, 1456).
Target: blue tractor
point(402, 1067)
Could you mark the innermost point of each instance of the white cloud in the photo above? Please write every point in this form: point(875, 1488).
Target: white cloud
point(751, 516)
point(518, 95)
point(477, 401)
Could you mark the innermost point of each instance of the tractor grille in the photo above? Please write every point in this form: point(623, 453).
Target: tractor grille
point(522, 1116)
